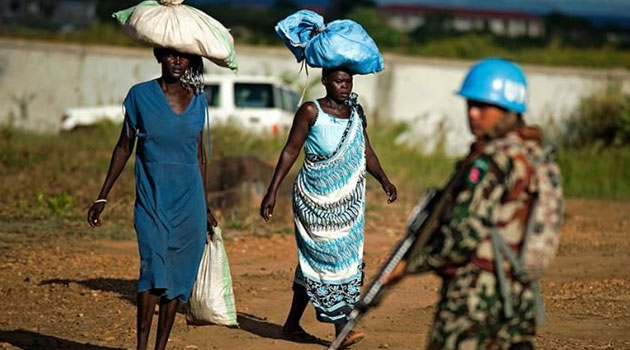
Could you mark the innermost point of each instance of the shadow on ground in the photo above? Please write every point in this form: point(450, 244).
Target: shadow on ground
point(28, 340)
point(126, 289)
point(262, 328)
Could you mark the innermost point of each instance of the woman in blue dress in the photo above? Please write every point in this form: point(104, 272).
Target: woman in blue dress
point(171, 216)
point(328, 203)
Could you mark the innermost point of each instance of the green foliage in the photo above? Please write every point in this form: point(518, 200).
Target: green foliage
point(238, 222)
point(602, 118)
point(232, 140)
point(54, 178)
point(252, 26)
point(471, 46)
point(285, 7)
point(99, 33)
point(59, 204)
point(572, 31)
point(435, 25)
point(12, 156)
point(339, 9)
point(375, 25)
point(105, 9)
point(594, 172)
point(406, 166)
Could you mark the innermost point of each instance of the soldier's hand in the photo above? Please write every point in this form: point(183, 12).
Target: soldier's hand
point(396, 275)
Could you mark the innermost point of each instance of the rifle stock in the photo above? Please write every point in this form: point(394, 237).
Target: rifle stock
point(423, 222)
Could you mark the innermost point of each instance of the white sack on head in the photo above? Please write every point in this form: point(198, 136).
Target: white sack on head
point(170, 24)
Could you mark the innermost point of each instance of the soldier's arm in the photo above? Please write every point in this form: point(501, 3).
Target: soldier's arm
point(470, 219)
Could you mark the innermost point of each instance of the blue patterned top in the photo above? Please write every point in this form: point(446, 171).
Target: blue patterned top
point(325, 134)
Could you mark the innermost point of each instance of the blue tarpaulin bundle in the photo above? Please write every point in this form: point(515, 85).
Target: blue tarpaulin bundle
point(341, 43)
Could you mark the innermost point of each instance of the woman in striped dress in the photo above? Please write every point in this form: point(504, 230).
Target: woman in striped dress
point(328, 203)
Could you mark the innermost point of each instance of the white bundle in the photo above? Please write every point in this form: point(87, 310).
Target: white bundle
point(212, 297)
point(169, 24)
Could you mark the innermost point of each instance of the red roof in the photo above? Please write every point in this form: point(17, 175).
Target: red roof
point(459, 11)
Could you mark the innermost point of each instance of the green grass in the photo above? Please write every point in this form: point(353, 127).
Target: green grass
point(596, 173)
point(49, 181)
point(405, 166)
point(230, 140)
point(476, 46)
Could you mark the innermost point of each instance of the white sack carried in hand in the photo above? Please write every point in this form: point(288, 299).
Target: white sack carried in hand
point(170, 24)
point(212, 298)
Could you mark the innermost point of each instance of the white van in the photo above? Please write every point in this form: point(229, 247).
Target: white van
point(258, 104)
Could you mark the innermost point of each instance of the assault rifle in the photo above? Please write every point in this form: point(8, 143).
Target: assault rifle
point(423, 222)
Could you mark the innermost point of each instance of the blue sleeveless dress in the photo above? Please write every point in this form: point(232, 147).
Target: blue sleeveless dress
point(329, 215)
point(170, 208)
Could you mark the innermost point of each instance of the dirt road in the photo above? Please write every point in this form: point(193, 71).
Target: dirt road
point(70, 293)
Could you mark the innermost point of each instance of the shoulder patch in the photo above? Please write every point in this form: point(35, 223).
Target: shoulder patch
point(478, 170)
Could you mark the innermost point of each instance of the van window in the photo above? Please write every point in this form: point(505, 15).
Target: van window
point(278, 99)
point(289, 100)
point(255, 95)
point(213, 94)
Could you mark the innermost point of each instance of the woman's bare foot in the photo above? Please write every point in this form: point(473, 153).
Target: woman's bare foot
point(352, 338)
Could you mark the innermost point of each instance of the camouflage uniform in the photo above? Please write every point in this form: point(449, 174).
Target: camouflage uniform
point(493, 194)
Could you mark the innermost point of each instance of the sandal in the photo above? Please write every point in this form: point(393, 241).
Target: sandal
point(300, 336)
point(352, 338)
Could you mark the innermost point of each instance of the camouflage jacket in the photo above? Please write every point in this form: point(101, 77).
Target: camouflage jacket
point(494, 194)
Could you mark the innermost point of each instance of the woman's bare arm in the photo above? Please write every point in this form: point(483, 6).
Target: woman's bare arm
point(120, 156)
point(374, 168)
point(203, 168)
point(304, 119)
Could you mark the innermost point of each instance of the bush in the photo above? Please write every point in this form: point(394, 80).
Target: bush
point(601, 119)
point(593, 172)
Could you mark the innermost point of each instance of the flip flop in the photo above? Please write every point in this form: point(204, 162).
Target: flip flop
point(352, 338)
point(300, 336)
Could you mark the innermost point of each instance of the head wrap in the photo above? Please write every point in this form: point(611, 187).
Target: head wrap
point(341, 43)
point(171, 24)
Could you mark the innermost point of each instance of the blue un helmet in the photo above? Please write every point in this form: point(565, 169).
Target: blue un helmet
point(496, 81)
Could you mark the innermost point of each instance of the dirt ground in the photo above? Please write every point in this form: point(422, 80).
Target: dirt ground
point(78, 293)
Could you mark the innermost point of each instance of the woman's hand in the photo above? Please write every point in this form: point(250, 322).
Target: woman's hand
point(391, 191)
point(267, 205)
point(212, 222)
point(94, 213)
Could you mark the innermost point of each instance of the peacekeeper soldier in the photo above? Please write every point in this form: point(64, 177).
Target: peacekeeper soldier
point(472, 312)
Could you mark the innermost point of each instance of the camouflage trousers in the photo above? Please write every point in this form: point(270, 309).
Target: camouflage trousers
point(470, 314)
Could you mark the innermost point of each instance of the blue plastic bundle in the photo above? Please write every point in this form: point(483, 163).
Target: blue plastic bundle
point(341, 43)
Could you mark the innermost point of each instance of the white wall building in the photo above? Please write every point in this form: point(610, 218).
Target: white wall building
point(55, 12)
point(407, 18)
point(414, 90)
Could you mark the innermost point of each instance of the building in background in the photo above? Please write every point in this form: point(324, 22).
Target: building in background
point(408, 18)
point(59, 14)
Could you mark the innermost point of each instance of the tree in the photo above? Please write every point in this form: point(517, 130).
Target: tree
point(436, 24)
point(285, 7)
point(341, 8)
point(105, 8)
point(378, 28)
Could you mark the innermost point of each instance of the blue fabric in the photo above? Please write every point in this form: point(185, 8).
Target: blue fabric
point(325, 134)
point(341, 43)
point(329, 216)
point(170, 208)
